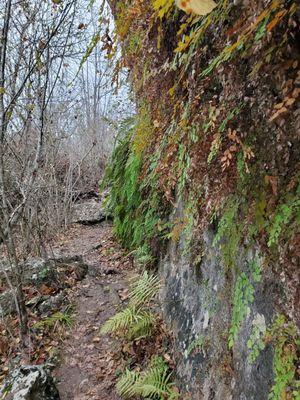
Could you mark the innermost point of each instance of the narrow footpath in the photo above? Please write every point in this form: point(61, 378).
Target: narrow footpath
point(89, 362)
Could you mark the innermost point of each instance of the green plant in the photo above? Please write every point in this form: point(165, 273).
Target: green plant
point(153, 383)
point(216, 144)
point(132, 322)
point(229, 232)
point(162, 7)
point(282, 218)
point(197, 343)
point(243, 296)
point(59, 318)
point(135, 321)
point(190, 213)
point(144, 289)
point(136, 216)
point(250, 34)
point(256, 342)
point(285, 340)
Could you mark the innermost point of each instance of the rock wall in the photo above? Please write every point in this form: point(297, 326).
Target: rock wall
point(205, 186)
point(196, 300)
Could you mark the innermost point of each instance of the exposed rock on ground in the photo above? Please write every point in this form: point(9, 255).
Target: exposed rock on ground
point(58, 272)
point(31, 382)
point(88, 361)
point(89, 212)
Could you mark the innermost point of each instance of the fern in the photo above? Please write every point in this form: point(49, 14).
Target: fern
point(135, 321)
point(163, 7)
point(58, 318)
point(135, 220)
point(144, 289)
point(153, 383)
point(142, 327)
point(121, 321)
point(127, 383)
point(282, 218)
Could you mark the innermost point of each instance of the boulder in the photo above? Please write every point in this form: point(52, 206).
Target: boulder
point(38, 270)
point(53, 273)
point(30, 382)
point(7, 303)
point(89, 212)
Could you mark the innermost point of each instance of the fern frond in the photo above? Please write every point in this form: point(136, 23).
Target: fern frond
point(144, 289)
point(153, 383)
point(125, 386)
point(121, 321)
point(143, 327)
point(63, 318)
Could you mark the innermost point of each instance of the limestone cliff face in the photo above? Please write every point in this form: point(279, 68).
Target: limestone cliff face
point(213, 199)
point(197, 306)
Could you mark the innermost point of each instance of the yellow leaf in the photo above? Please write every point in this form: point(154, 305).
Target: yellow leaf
point(199, 7)
point(171, 91)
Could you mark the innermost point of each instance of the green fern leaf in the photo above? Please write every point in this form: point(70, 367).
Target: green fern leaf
point(144, 289)
point(120, 321)
point(143, 327)
point(153, 383)
point(126, 386)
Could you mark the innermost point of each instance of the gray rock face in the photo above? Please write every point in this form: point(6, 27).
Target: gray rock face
point(29, 383)
point(37, 271)
point(198, 300)
point(7, 303)
point(89, 212)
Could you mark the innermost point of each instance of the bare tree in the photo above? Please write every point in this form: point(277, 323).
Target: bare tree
point(55, 130)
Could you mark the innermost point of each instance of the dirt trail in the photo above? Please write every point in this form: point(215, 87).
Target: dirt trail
point(89, 360)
